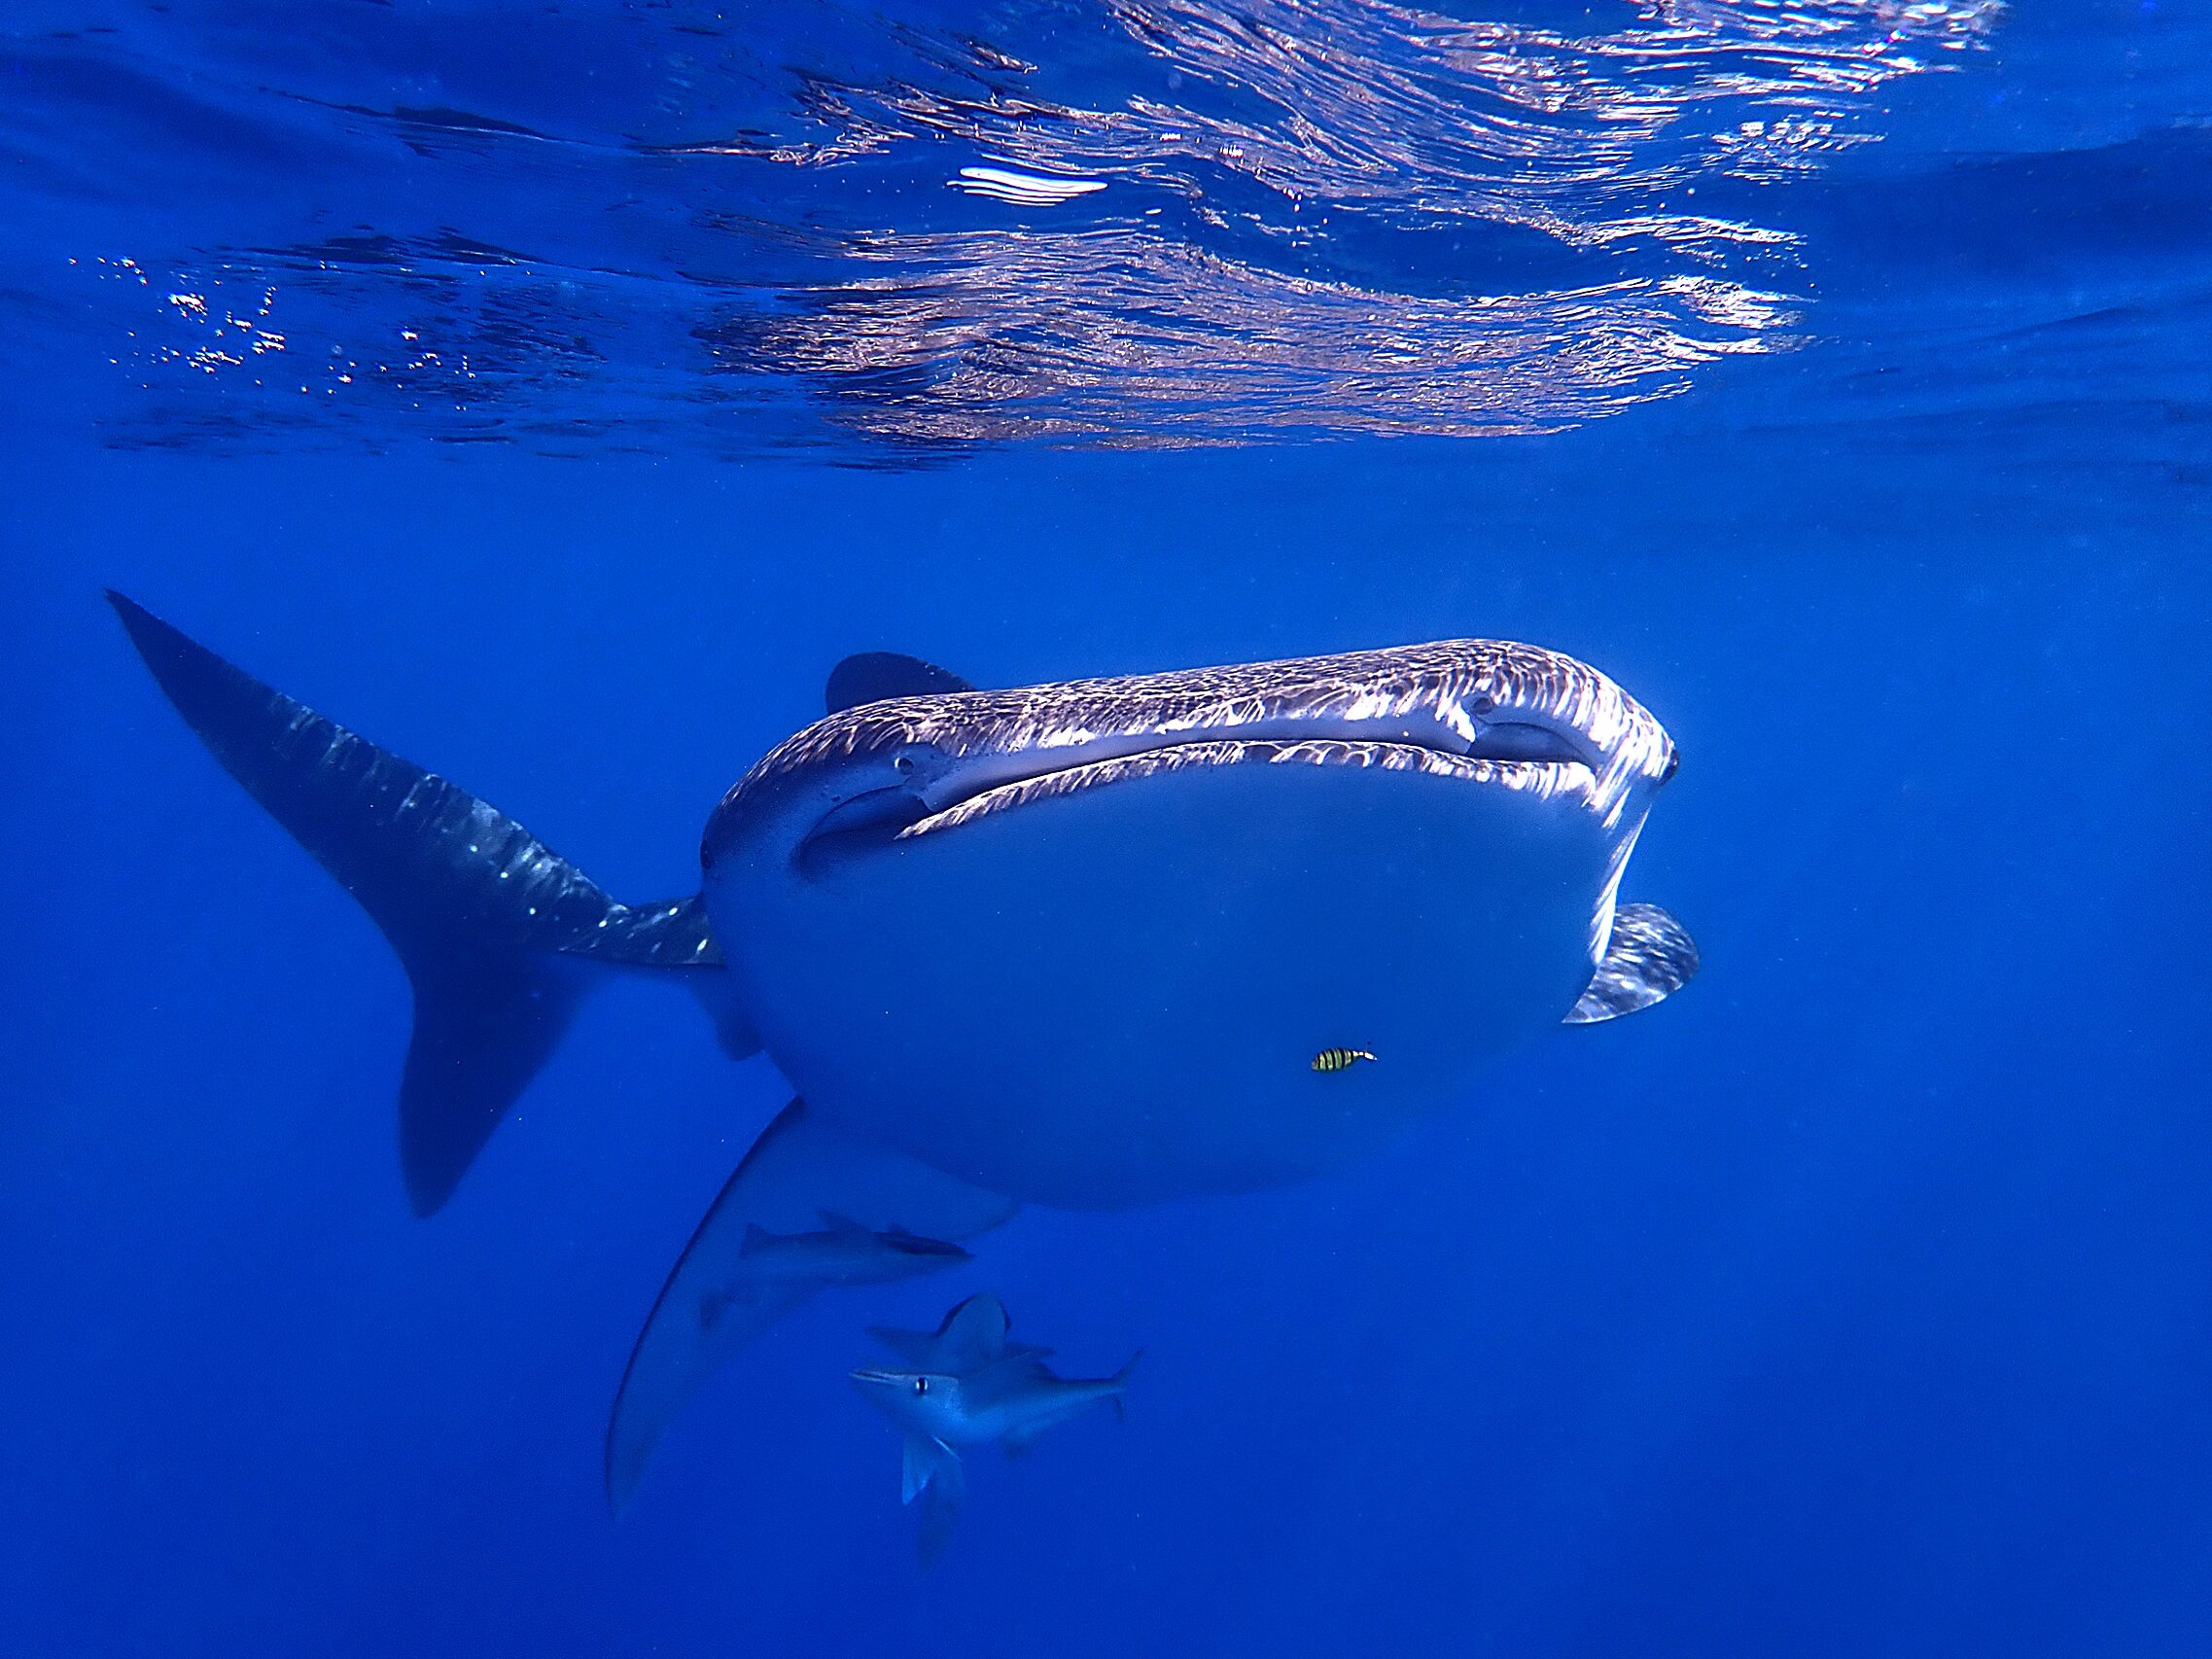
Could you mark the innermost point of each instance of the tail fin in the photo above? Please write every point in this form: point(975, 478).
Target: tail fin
point(493, 927)
point(1120, 1382)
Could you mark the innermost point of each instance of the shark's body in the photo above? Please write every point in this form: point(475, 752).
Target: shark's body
point(965, 1386)
point(1075, 944)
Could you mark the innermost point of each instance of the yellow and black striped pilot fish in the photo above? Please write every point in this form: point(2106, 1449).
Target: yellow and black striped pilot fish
point(1339, 1059)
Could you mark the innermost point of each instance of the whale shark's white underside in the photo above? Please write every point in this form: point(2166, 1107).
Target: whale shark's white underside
point(1074, 945)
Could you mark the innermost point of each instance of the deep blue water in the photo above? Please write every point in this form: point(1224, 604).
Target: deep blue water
point(621, 367)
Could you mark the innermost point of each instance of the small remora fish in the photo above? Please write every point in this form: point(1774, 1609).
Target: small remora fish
point(966, 1385)
point(773, 1273)
point(1340, 1059)
point(845, 1251)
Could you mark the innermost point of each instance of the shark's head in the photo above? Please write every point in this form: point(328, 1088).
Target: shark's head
point(1493, 714)
point(1079, 943)
point(927, 1403)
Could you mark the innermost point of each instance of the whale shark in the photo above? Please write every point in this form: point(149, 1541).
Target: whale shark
point(1074, 945)
point(963, 1386)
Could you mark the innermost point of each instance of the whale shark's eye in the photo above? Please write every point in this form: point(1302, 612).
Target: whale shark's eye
point(921, 1385)
point(904, 764)
point(1673, 765)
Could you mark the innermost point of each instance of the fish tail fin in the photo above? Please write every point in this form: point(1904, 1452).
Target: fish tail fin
point(484, 1023)
point(1120, 1381)
point(495, 931)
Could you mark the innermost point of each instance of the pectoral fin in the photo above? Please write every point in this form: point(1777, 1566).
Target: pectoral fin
point(934, 1478)
point(717, 1299)
point(1651, 956)
point(925, 1460)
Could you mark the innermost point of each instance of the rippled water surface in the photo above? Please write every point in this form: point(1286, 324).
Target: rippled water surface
point(905, 231)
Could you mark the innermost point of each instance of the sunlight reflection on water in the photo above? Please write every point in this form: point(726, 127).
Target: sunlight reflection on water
point(1350, 215)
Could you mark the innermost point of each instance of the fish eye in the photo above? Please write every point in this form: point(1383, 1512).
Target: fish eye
point(1673, 765)
point(904, 764)
point(921, 1385)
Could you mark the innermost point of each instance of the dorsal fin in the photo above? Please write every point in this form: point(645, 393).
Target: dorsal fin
point(875, 675)
point(973, 1335)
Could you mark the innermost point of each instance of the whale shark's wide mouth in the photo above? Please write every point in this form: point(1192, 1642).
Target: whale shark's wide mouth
point(1526, 758)
point(1521, 756)
point(1486, 713)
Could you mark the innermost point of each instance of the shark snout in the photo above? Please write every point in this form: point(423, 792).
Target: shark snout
point(906, 1396)
point(870, 1380)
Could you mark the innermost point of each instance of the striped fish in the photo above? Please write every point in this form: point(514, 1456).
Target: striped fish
point(1339, 1059)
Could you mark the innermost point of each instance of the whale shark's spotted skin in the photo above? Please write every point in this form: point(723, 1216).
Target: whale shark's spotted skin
point(1443, 689)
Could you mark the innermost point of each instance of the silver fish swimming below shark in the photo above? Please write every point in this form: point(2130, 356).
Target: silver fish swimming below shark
point(1074, 945)
point(965, 1386)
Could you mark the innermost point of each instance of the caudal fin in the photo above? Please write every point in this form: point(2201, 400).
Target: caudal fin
point(1121, 1383)
point(494, 927)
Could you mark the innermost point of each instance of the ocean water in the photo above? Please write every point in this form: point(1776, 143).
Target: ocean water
point(553, 392)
